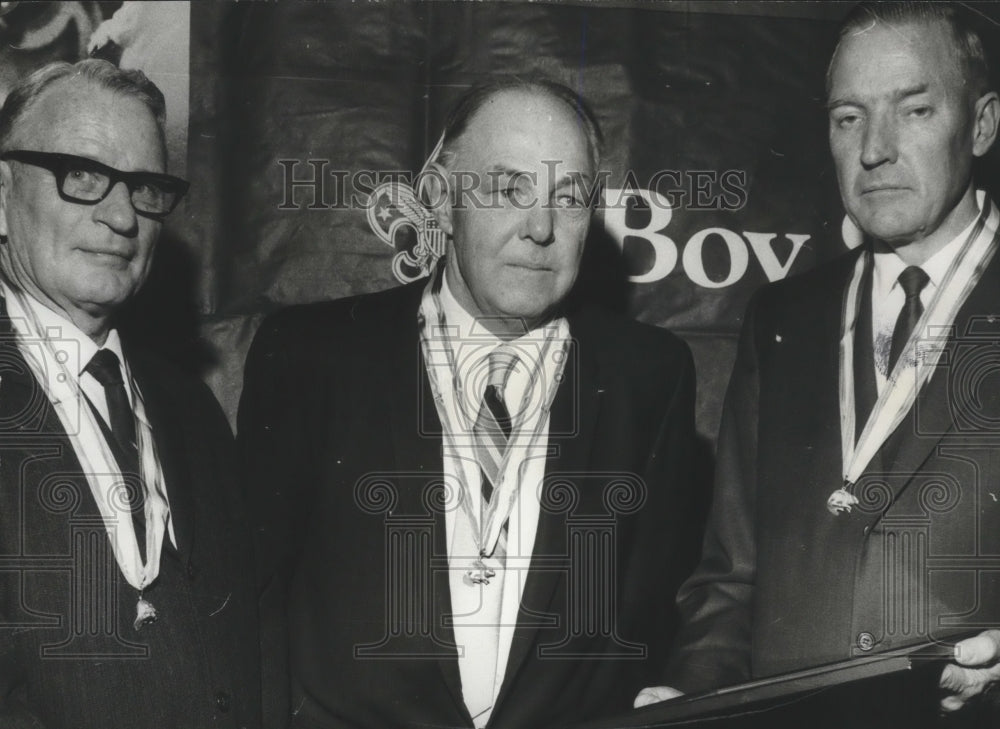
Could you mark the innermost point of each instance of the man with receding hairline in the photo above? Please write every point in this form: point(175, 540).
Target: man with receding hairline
point(537, 452)
point(125, 598)
point(853, 510)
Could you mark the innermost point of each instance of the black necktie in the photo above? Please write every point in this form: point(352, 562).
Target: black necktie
point(106, 369)
point(912, 279)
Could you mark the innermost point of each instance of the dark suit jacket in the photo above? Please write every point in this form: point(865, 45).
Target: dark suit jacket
point(783, 583)
point(343, 451)
point(69, 655)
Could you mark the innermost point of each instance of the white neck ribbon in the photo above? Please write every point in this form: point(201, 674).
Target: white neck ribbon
point(107, 485)
point(921, 354)
point(435, 336)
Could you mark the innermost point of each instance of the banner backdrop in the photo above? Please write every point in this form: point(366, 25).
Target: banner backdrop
point(719, 179)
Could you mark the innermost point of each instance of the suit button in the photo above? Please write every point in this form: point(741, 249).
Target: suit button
point(222, 701)
point(866, 641)
point(191, 571)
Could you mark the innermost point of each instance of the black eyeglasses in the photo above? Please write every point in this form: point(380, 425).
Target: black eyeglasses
point(86, 181)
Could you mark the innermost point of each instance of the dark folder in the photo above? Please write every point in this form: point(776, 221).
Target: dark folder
point(920, 665)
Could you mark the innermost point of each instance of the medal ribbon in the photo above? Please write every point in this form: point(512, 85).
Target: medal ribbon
point(507, 488)
point(96, 459)
point(900, 392)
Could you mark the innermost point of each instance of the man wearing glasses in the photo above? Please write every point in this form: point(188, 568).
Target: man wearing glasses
point(124, 591)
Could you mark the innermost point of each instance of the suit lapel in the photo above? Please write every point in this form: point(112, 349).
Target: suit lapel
point(933, 413)
point(25, 409)
point(416, 428)
point(571, 435)
point(826, 367)
point(20, 394)
point(168, 429)
point(22, 399)
point(865, 386)
point(24, 405)
point(416, 435)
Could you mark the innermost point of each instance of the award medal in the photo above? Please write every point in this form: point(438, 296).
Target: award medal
point(488, 526)
point(62, 387)
point(916, 363)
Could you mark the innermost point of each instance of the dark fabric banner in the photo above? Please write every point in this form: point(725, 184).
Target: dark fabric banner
point(719, 179)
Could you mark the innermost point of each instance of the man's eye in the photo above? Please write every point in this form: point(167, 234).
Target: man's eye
point(516, 195)
point(846, 121)
point(83, 180)
point(570, 201)
point(147, 190)
point(920, 112)
point(81, 175)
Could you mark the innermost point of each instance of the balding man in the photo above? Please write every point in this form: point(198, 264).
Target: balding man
point(475, 495)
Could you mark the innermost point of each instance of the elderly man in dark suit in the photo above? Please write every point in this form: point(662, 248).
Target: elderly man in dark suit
point(855, 508)
point(125, 598)
point(474, 498)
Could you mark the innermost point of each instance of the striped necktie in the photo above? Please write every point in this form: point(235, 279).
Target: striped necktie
point(491, 431)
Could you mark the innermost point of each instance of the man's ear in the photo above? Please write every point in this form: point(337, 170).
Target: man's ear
point(985, 120)
point(434, 191)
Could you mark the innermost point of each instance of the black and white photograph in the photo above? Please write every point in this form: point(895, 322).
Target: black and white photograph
point(499, 364)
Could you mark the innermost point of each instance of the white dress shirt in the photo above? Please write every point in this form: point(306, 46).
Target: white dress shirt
point(888, 297)
point(485, 615)
point(74, 349)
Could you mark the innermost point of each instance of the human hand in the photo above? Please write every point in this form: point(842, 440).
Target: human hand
point(654, 695)
point(976, 670)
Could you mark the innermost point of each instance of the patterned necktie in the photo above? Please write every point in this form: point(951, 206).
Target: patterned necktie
point(912, 279)
point(493, 426)
point(106, 369)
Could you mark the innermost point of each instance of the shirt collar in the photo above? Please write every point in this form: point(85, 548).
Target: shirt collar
point(468, 328)
point(475, 343)
point(888, 265)
point(61, 327)
point(466, 325)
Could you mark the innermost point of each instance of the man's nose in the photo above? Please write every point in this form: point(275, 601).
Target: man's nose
point(116, 210)
point(878, 145)
point(538, 223)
